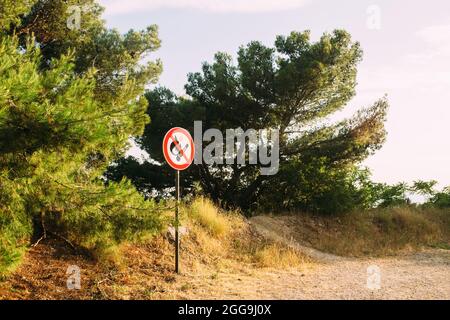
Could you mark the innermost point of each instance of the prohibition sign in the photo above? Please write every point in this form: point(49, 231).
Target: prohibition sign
point(178, 148)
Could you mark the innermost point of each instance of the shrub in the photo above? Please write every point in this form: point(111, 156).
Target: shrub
point(15, 226)
point(319, 188)
point(441, 199)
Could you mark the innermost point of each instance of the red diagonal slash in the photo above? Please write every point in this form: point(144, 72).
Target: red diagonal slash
point(179, 148)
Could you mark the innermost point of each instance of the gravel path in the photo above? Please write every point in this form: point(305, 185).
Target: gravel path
point(423, 275)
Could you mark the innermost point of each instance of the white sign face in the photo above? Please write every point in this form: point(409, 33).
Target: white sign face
point(178, 148)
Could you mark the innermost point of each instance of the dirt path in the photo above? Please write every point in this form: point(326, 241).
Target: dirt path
point(424, 275)
point(421, 276)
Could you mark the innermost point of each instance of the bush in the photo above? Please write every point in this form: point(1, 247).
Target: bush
point(15, 226)
point(13, 231)
point(318, 188)
point(441, 199)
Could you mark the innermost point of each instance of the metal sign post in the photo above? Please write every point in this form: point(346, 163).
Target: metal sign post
point(178, 150)
point(177, 223)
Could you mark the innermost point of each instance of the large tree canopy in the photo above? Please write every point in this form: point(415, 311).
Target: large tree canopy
point(69, 101)
point(292, 87)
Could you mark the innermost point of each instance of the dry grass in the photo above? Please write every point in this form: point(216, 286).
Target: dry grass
point(205, 213)
point(278, 256)
point(373, 233)
point(216, 241)
point(226, 235)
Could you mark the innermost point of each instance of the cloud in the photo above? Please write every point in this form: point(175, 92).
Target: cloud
point(118, 7)
point(437, 45)
point(435, 35)
point(426, 70)
point(403, 77)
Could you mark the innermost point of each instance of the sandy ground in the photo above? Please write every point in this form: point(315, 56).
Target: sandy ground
point(424, 275)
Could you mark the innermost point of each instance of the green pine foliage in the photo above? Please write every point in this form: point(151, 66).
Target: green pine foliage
point(62, 121)
point(441, 199)
point(10, 11)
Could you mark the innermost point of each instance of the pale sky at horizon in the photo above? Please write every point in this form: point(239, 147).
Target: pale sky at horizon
point(407, 58)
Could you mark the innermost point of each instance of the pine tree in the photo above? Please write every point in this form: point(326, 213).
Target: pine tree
point(292, 87)
point(63, 119)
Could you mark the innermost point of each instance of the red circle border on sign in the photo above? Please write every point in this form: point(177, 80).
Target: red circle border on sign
point(166, 152)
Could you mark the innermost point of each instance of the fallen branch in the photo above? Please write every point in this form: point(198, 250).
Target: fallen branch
point(44, 230)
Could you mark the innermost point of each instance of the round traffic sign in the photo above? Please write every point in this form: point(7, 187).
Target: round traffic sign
point(178, 148)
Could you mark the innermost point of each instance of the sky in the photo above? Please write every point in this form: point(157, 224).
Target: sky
point(406, 48)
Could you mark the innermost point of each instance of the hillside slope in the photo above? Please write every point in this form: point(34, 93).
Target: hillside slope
point(226, 257)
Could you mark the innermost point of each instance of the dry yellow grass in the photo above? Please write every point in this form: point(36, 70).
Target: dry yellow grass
point(226, 235)
point(375, 232)
point(277, 256)
point(204, 212)
point(386, 231)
